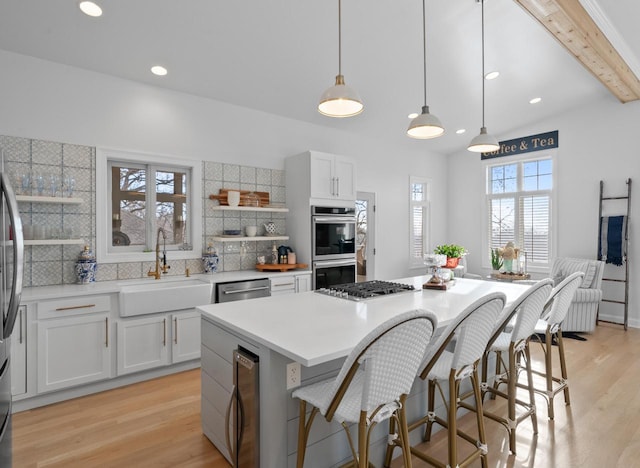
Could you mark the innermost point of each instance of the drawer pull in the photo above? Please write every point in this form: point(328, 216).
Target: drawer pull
point(175, 338)
point(283, 285)
point(86, 306)
point(164, 332)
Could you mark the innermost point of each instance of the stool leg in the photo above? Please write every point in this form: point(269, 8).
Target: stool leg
point(532, 396)
point(304, 426)
point(389, 454)
point(430, 408)
point(451, 417)
point(511, 393)
point(563, 367)
point(363, 462)
point(404, 431)
point(549, 372)
point(480, 418)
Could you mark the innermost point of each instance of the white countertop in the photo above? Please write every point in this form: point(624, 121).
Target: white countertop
point(106, 287)
point(312, 328)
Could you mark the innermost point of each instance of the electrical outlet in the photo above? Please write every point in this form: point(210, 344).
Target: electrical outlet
point(293, 375)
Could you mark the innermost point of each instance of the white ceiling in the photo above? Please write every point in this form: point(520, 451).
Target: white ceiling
point(279, 55)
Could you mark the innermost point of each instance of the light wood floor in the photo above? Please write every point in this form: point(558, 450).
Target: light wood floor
point(157, 423)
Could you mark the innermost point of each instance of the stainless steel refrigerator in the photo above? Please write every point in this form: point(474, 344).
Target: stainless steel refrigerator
point(11, 269)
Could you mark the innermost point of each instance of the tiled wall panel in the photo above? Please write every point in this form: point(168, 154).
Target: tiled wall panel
point(54, 264)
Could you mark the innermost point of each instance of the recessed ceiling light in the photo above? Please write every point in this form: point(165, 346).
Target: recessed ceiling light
point(461, 131)
point(535, 100)
point(158, 70)
point(413, 115)
point(90, 8)
point(492, 75)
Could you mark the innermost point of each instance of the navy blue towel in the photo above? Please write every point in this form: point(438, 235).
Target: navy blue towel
point(611, 241)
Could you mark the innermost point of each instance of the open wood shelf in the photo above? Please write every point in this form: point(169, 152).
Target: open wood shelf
point(38, 199)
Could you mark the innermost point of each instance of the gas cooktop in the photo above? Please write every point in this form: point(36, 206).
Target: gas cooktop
point(365, 290)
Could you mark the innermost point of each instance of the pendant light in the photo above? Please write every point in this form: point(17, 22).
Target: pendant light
point(425, 125)
point(340, 100)
point(483, 143)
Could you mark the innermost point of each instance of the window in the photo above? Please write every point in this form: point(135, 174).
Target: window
point(418, 220)
point(142, 194)
point(519, 208)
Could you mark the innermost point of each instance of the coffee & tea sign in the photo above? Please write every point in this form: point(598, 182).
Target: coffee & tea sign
point(528, 144)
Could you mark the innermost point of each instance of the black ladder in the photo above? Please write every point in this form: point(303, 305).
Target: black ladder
point(625, 257)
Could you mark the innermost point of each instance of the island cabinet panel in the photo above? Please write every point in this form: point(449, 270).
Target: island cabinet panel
point(217, 381)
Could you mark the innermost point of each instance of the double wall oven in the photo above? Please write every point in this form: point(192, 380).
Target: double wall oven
point(333, 237)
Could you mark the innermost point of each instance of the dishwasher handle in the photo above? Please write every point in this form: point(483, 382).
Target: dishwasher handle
point(238, 291)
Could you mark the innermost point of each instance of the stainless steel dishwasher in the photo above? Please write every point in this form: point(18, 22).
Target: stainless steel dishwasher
point(241, 290)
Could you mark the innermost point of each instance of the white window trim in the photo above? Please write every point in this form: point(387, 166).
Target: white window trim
point(551, 154)
point(103, 205)
point(413, 262)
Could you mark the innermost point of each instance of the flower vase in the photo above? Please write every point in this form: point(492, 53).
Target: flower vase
point(508, 266)
point(452, 262)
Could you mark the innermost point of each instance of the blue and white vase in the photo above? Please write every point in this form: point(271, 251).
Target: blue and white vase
point(210, 260)
point(86, 266)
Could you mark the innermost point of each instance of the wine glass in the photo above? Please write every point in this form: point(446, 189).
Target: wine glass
point(54, 184)
point(68, 184)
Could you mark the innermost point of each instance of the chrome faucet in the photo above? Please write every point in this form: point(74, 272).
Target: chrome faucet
point(165, 267)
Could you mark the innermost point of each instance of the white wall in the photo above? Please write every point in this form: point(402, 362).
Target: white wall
point(597, 141)
point(49, 101)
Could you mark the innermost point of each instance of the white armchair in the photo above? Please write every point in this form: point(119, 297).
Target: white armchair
point(583, 311)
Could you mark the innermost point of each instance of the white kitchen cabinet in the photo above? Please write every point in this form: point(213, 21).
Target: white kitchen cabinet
point(73, 350)
point(157, 340)
point(332, 177)
point(282, 285)
point(186, 336)
point(303, 282)
point(143, 343)
point(19, 354)
point(289, 284)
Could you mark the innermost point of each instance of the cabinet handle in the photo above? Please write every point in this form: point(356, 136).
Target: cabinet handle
point(164, 327)
point(106, 330)
point(282, 285)
point(175, 335)
point(337, 186)
point(86, 306)
point(227, 420)
point(20, 325)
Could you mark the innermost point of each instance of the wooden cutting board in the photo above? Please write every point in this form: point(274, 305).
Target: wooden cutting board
point(280, 266)
point(223, 195)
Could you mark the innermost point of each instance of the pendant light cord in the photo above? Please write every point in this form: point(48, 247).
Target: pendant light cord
point(424, 45)
point(339, 37)
point(482, 9)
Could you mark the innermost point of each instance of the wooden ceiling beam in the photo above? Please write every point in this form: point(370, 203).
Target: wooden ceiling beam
point(571, 25)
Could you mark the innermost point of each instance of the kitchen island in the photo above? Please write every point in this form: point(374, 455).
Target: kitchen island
point(317, 331)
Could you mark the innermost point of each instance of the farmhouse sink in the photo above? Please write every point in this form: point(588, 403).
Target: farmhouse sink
point(149, 297)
